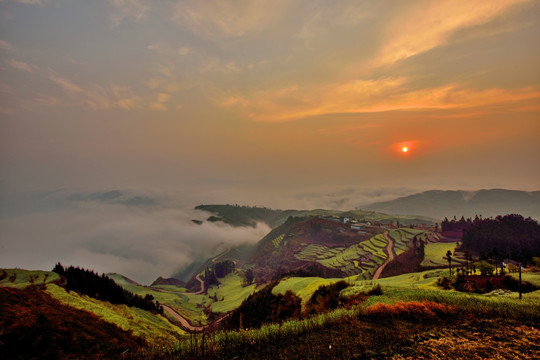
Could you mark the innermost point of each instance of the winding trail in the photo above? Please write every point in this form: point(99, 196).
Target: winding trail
point(183, 321)
point(185, 324)
point(201, 281)
point(390, 252)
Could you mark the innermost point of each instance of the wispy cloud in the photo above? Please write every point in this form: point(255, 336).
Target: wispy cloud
point(98, 97)
point(22, 66)
point(160, 103)
point(365, 96)
point(64, 83)
point(133, 9)
point(425, 26)
point(6, 46)
point(32, 2)
point(228, 18)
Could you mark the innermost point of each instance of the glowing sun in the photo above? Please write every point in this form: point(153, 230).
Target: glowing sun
point(404, 149)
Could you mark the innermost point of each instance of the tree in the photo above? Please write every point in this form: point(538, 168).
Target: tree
point(249, 277)
point(449, 258)
point(484, 267)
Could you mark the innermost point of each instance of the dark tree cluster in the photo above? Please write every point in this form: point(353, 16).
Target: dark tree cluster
point(326, 297)
point(104, 288)
point(458, 225)
point(218, 270)
point(263, 307)
point(510, 236)
point(313, 269)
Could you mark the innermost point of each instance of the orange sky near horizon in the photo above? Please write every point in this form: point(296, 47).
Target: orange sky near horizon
point(269, 94)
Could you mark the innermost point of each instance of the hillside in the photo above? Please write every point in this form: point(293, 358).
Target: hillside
point(30, 316)
point(246, 215)
point(323, 243)
point(398, 317)
point(441, 204)
point(40, 317)
point(321, 246)
point(236, 215)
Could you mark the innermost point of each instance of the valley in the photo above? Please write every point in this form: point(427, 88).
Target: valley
point(317, 274)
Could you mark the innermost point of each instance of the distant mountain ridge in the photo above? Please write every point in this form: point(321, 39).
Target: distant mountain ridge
point(441, 204)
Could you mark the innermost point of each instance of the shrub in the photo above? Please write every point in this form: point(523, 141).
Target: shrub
point(412, 311)
point(263, 307)
point(444, 282)
point(375, 291)
point(326, 297)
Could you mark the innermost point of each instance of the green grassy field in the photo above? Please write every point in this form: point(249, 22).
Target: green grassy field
point(304, 287)
point(230, 293)
point(18, 278)
point(460, 324)
point(188, 305)
point(170, 288)
point(435, 254)
point(154, 328)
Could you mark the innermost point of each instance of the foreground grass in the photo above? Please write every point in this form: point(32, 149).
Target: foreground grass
point(413, 319)
point(400, 330)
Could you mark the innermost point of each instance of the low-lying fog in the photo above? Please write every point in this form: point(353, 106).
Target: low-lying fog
point(141, 235)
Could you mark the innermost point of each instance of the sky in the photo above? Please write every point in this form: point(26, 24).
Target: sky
point(281, 103)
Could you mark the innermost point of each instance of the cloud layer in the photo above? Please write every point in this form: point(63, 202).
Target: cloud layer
point(112, 232)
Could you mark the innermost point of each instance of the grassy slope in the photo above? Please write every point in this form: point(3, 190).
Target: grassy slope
point(416, 286)
point(475, 326)
point(34, 325)
point(187, 305)
point(18, 278)
point(435, 254)
point(153, 328)
point(230, 293)
point(304, 287)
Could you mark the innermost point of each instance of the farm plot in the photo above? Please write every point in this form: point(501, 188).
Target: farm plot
point(230, 293)
point(361, 258)
point(277, 241)
point(403, 237)
point(435, 254)
point(376, 246)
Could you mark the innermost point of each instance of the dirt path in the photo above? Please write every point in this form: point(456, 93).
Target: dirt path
point(185, 324)
point(183, 321)
point(198, 277)
point(390, 252)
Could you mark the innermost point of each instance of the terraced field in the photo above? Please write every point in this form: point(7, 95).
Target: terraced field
point(277, 241)
point(361, 258)
point(403, 237)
